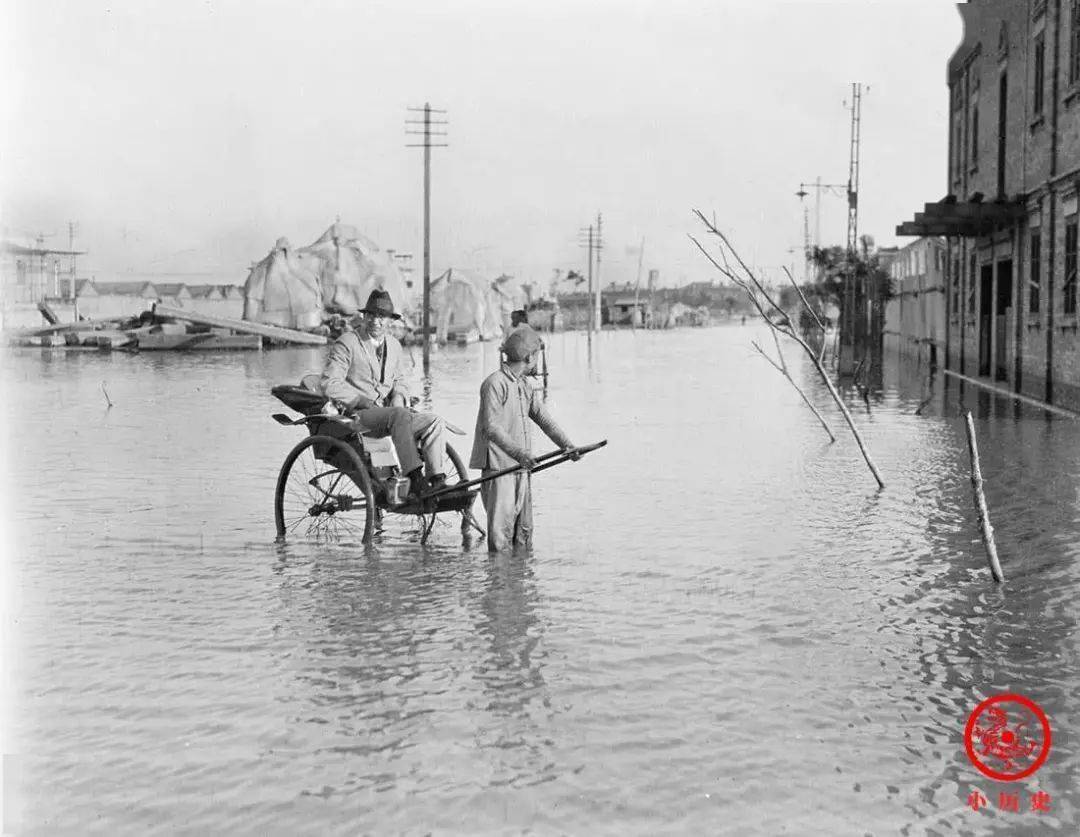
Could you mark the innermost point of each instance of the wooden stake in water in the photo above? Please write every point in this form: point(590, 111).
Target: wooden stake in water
point(980, 501)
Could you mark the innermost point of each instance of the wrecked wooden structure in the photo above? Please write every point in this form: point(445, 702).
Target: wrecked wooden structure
point(163, 328)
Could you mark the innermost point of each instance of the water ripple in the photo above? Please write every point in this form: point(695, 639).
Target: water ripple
point(724, 625)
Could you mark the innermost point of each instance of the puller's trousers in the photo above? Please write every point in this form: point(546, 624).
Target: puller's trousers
point(508, 503)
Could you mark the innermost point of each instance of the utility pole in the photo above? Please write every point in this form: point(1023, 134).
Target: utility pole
point(71, 249)
point(590, 244)
point(599, 246)
point(427, 133)
point(818, 187)
point(637, 285)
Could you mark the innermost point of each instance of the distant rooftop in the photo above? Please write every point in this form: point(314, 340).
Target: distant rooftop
point(21, 250)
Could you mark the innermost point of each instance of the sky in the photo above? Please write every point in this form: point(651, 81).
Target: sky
point(186, 137)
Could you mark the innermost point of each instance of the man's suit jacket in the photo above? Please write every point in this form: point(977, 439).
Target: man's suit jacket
point(356, 377)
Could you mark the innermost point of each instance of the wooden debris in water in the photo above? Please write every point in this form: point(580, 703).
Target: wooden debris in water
point(980, 501)
point(286, 335)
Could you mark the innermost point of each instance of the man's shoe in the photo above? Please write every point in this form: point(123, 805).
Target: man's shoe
point(437, 482)
point(417, 484)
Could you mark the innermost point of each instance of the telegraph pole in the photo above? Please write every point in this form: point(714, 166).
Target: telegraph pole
point(818, 187)
point(599, 246)
point(71, 249)
point(637, 285)
point(589, 296)
point(427, 133)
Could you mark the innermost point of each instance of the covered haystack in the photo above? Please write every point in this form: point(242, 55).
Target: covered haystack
point(502, 296)
point(335, 274)
point(283, 289)
point(352, 267)
point(459, 305)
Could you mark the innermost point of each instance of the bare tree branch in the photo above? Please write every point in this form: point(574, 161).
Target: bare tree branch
point(813, 313)
point(788, 330)
point(751, 292)
point(779, 351)
point(750, 274)
point(761, 352)
point(782, 369)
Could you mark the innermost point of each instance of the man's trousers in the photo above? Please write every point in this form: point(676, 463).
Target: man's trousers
point(407, 429)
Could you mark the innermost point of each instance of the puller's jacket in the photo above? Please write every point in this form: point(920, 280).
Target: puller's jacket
point(358, 376)
point(503, 429)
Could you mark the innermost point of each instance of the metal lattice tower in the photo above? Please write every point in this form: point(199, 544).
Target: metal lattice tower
point(853, 171)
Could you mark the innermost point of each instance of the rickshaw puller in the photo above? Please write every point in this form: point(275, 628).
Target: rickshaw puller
point(503, 439)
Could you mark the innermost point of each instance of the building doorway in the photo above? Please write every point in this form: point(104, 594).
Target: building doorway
point(1002, 315)
point(986, 317)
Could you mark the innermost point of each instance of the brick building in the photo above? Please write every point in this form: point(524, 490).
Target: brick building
point(1010, 217)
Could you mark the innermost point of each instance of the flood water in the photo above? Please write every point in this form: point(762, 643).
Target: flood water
point(723, 627)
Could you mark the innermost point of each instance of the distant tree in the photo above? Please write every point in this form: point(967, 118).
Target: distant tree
point(834, 266)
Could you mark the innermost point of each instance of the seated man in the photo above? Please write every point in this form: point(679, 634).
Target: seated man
point(364, 376)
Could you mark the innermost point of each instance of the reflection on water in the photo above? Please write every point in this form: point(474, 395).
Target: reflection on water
point(723, 626)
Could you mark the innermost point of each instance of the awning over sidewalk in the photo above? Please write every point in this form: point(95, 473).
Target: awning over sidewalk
point(967, 219)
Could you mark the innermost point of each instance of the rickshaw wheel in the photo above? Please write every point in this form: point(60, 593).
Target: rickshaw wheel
point(324, 489)
point(426, 519)
point(467, 520)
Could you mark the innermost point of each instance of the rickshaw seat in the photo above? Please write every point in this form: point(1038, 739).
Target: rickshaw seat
point(309, 400)
point(300, 398)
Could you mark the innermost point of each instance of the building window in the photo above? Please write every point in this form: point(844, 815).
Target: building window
point(973, 275)
point(1068, 288)
point(20, 272)
point(1040, 73)
point(1035, 276)
point(1074, 43)
point(975, 134)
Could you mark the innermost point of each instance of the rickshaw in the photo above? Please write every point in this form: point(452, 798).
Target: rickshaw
point(339, 482)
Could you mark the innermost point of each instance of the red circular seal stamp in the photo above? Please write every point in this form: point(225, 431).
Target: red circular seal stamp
point(1007, 737)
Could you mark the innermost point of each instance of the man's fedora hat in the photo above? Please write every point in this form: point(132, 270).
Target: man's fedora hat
point(380, 303)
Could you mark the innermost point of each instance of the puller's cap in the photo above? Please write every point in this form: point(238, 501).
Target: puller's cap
point(521, 344)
